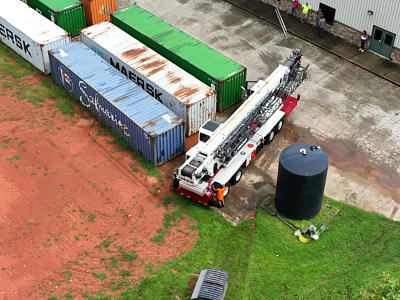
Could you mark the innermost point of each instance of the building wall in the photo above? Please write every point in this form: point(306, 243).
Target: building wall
point(354, 14)
point(351, 18)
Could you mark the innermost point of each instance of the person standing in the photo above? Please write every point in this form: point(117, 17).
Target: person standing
point(220, 195)
point(363, 38)
point(321, 26)
point(306, 8)
point(319, 16)
point(295, 6)
point(219, 191)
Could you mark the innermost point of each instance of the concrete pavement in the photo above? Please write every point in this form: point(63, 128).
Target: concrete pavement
point(368, 60)
point(350, 112)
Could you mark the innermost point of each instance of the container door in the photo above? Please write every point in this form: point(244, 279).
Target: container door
point(382, 41)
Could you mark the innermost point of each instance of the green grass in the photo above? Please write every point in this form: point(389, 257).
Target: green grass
point(133, 167)
point(100, 275)
point(127, 256)
point(150, 169)
point(266, 261)
point(91, 218)
point(13, 65)
point(124, 273)
point(160, 236)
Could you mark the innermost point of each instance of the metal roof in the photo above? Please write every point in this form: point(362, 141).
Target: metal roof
point(136, 104)
point(187, 47)
point(60, 5)
point(177, 82)
point(34, 25)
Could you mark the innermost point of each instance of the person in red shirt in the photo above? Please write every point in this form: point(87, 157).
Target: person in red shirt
point(295, 6)
point(363, 38)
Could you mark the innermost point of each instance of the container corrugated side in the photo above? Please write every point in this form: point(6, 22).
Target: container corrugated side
point(144, 123)
point(68, 14)
point(181, 92)
point(30, 34)
point(97, 11)
point(208, 65)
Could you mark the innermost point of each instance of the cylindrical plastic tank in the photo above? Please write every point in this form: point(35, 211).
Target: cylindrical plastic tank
point(301, 181)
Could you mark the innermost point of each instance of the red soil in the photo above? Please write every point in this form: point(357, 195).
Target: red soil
point(68, 201)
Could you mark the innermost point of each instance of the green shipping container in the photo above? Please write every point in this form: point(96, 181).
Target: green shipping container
point(68, 14)
point(211, 67)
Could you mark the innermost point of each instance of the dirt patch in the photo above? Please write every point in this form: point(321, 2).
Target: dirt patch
point(191, 141)
point(77, 214)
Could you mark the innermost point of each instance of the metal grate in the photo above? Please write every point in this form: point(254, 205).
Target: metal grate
point(211, 285)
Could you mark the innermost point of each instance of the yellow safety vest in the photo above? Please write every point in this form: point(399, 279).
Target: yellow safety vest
point(306, 8)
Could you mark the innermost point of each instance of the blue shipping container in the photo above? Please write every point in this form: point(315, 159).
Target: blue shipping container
point(147, 125)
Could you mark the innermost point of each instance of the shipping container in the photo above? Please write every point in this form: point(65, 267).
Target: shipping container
point(211, 67)
point(97, 11)
point(144, 123)
point(30, 34)
point(68, 14)
point(189, 98)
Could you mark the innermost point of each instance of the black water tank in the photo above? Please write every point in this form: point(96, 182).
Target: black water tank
point(301, 181)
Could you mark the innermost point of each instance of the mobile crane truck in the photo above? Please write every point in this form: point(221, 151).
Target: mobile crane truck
point(225, 149)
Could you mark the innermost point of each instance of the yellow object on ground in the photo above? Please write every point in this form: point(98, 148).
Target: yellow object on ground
point(301, 237)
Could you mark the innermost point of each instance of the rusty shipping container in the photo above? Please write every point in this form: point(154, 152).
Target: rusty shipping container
point(216, 70)
point(185, 95)
point(30, 34)
point(144, 123)
point(97, 11)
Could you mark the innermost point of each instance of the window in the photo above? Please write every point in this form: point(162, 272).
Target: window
point(328, 12)
point(204, 138)
point(388, 39)
point(378, 35)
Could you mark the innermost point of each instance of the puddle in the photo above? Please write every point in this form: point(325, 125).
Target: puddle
point(344, 156)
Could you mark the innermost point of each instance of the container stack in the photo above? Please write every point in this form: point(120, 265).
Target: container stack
point(150, 82)
point(182, 93)
point(97, 11)
point(68, 14)
point(30, 34)
point(144, 123)
point(211, 67)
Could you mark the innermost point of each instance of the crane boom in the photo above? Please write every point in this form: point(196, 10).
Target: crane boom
point(227, 147)
point(267, 105)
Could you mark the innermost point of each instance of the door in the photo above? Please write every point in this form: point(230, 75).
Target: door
point(382, 41)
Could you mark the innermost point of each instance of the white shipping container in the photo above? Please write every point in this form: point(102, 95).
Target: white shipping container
point(189, 98)
point(30, 34)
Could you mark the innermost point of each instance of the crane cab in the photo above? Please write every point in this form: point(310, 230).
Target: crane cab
point(205, 132)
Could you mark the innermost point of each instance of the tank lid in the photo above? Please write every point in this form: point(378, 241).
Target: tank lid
point(304, 159)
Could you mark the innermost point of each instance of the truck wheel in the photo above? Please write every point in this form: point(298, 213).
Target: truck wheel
point(259, 148)
point(235, 179)
point(227, 189)
point(270, 137)
point(279, 126)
